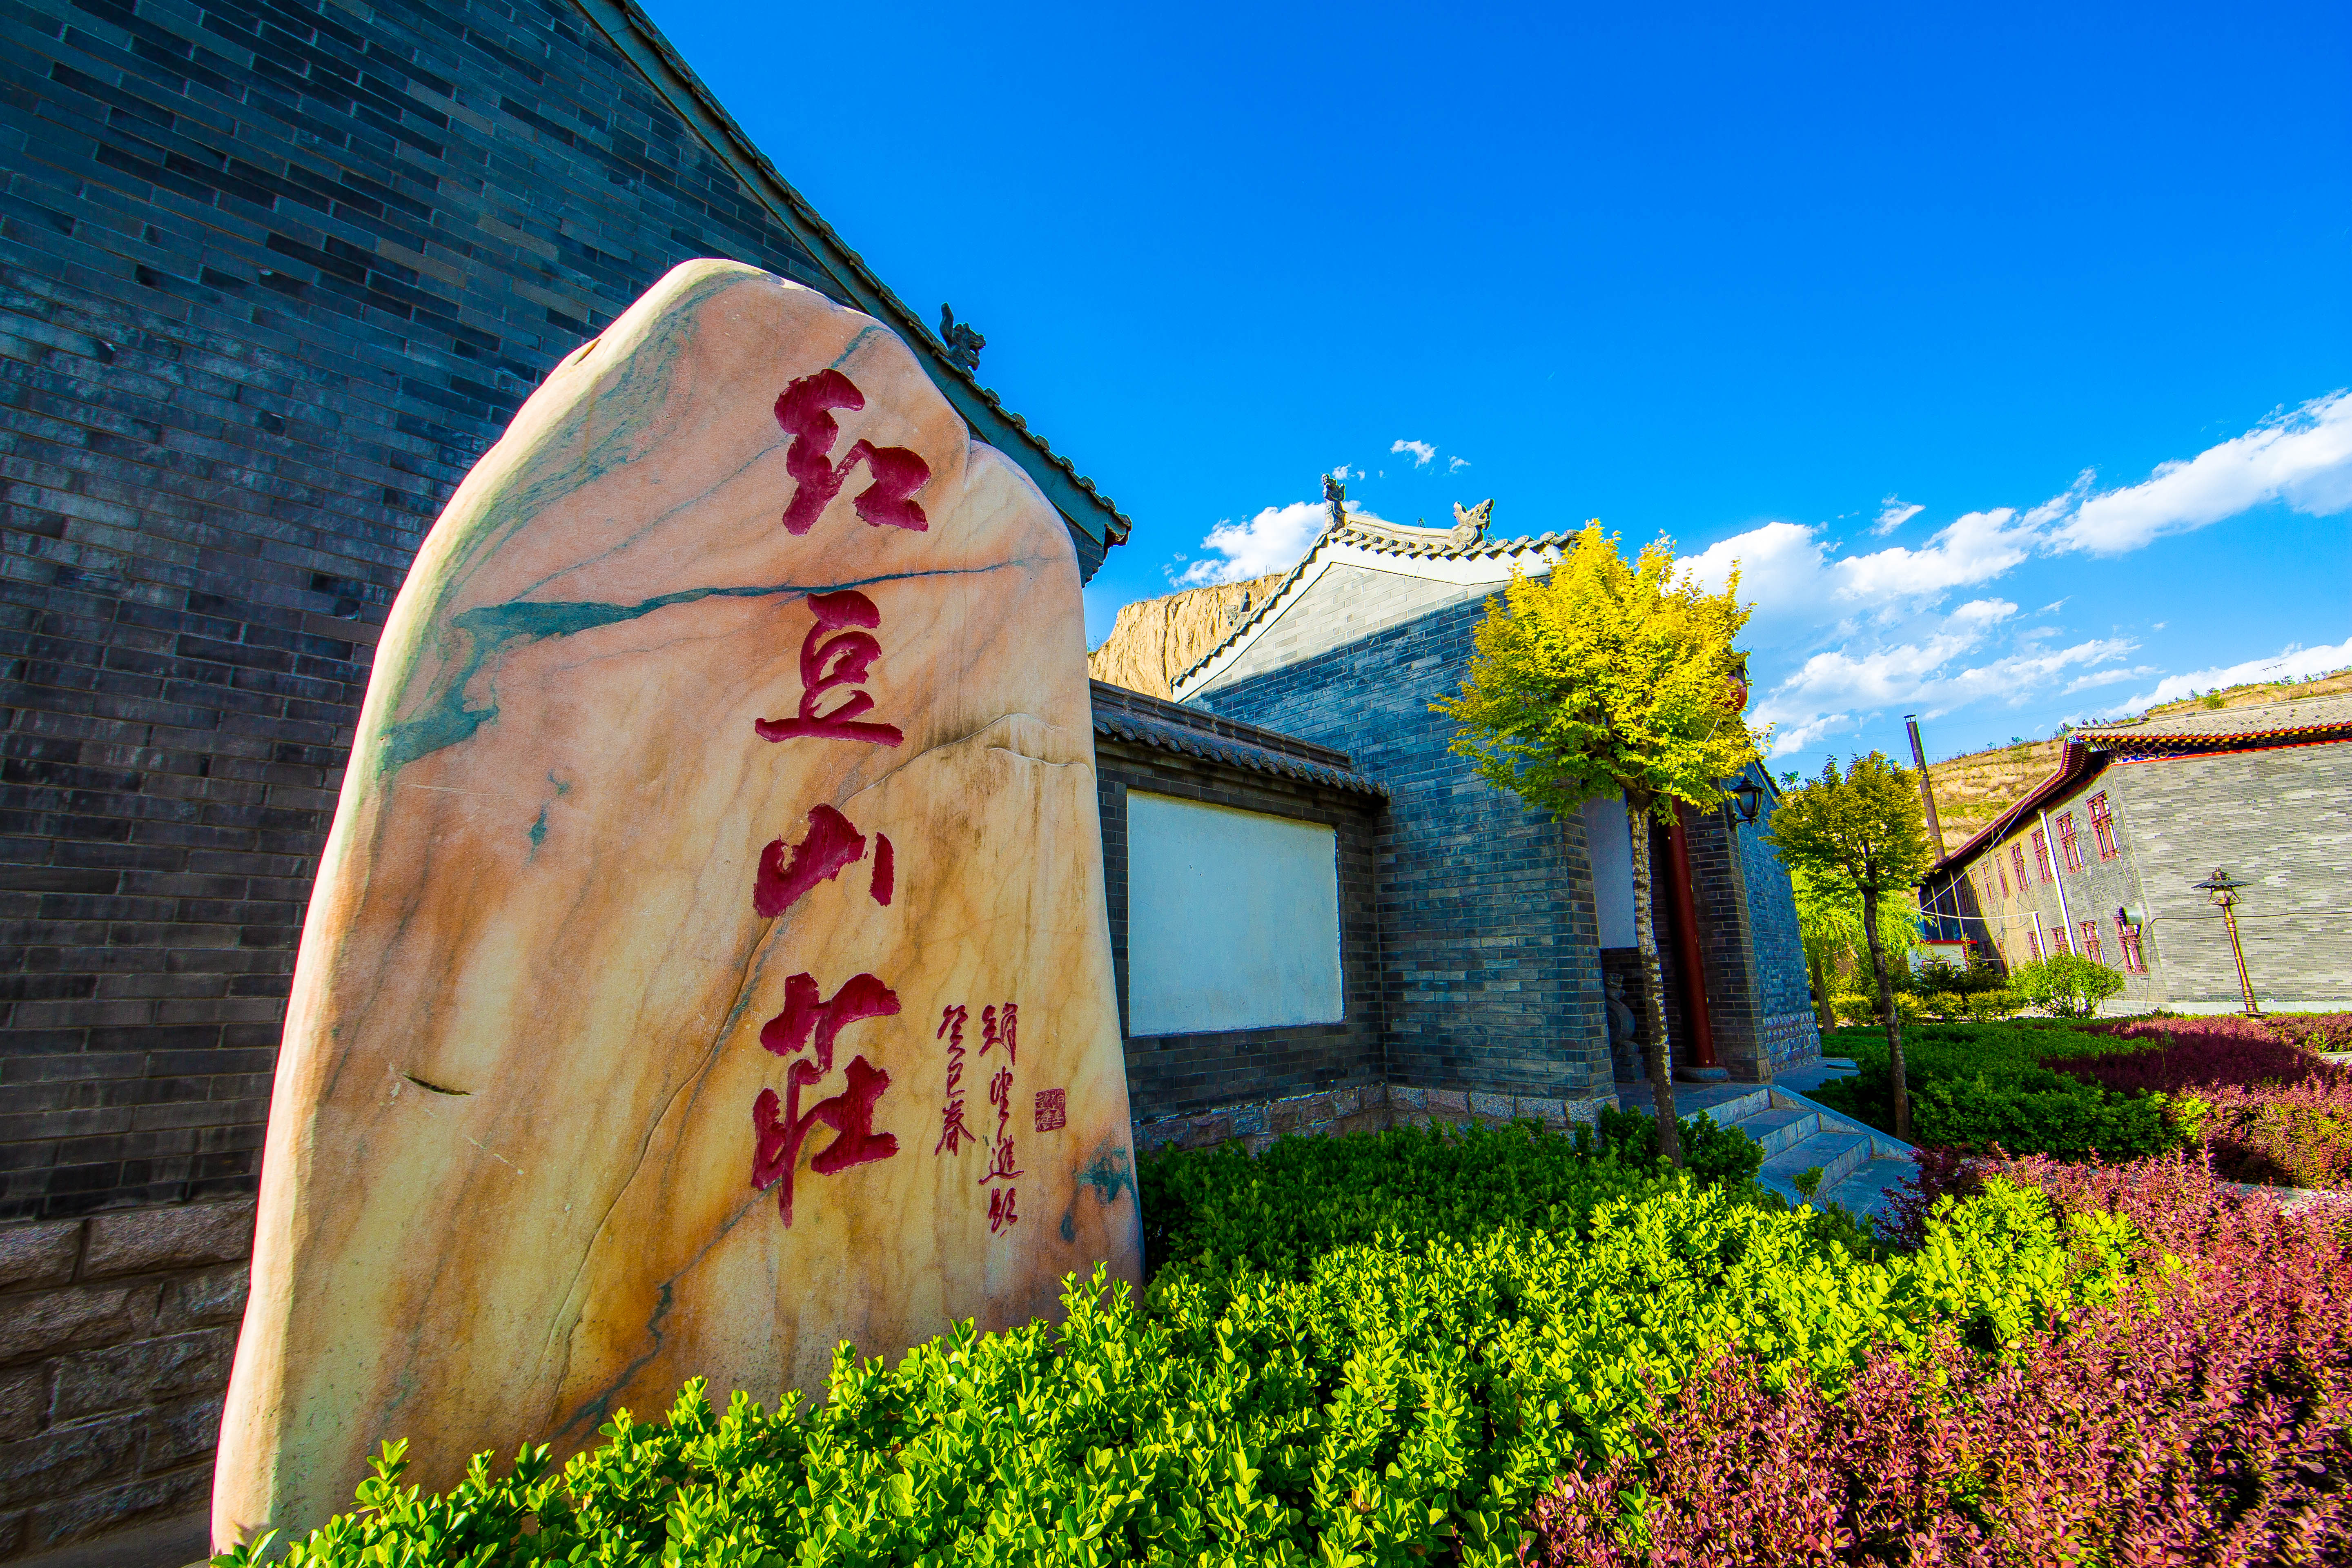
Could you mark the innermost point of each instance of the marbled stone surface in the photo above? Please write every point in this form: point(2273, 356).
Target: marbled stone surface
point(727, 738)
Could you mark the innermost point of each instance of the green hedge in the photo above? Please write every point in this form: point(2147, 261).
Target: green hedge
point(1974, 1086)
point(1374, 1350)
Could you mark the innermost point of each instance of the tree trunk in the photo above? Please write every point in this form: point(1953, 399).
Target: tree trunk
point(1823, 1012)
point(1657, 1056)
point(1894, 1019)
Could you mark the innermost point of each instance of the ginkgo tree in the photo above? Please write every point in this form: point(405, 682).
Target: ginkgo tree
point(1605, 677)
point(1864, 835)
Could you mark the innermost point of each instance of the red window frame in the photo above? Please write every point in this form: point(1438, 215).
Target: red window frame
point(2017, 860)
point(2091, 950)
point(2032, 945)
point(2041, 856)
point(2127, 939)
point(2069, 842)
point(2103, 826)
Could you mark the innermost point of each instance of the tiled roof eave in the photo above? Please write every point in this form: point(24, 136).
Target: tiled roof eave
point(2127, 740)
point(1118, 727)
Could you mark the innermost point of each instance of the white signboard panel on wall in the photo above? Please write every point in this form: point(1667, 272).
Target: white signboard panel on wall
point(1233, 918)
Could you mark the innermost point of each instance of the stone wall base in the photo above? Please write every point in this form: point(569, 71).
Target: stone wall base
point(1791, 1038)
point(1372, 1107)
point(116, 1335)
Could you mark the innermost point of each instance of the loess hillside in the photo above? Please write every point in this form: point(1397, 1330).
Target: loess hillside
point(1155, 640)
point(1972, 790)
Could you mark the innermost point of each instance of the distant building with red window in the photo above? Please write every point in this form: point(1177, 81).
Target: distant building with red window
point(2137, 814)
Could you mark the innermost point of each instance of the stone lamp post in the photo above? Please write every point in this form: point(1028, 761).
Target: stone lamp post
point(2223, 891)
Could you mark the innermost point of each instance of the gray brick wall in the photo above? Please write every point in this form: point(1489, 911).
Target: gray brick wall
point(115, 1332)
point(1490, 954)
point(2280, 819)
point(1184, 1075)
point(272, 273)
point(1787, 1030)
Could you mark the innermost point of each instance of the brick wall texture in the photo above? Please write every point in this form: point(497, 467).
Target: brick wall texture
point(273, 273)
point(115, 1332)
point(1490, 953)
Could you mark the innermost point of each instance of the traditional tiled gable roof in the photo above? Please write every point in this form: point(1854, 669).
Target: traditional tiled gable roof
point(1131, 716)
point(1462, 553)
point(2314, 719)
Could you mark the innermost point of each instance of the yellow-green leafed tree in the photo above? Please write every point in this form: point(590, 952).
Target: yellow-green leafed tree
point(1608, 676)
point(1865, 836)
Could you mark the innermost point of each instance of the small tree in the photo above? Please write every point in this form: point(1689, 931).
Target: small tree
point(2067, 984)
point(1829, 926)
point(1602, 679)
point(1865, 833)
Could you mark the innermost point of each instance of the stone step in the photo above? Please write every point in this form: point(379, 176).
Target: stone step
point(1838, 1154)
point(1778, 1128)
point(1865, 1193)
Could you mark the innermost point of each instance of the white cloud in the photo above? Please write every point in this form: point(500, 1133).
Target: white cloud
point(1342, 474)
point(2303, 459)
point(1788, 569)
point(2296, 663)
point(2106, 677)
point(1455, 465)
point(1972, 548)
point(1274, 541)
point(1893, 513)
point(1982, 612)
point(1926, 676)
point(1781, 567)
point(1422, 452)
point(1856, 635)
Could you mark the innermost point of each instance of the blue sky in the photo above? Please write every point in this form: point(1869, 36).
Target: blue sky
point(1762, 283)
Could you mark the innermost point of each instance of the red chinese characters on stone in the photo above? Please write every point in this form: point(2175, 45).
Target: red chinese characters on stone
point(1003, 1030)
point(839, 649)
point(895, 473)
point(1000, 1030)
point(953, 1133)
point(1052, 1110)
point(812, 1023)
point(831, 845)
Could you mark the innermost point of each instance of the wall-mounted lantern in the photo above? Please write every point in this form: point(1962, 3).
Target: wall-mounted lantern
point(1750, 796)
point(2223, 888)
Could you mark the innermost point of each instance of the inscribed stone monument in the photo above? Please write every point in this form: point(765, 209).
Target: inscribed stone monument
point(709, 963)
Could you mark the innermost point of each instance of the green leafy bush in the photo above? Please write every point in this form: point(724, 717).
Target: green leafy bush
point(2067, 983)
point(1855, 1008)
point(1391, 1387)
point(1975, 1086)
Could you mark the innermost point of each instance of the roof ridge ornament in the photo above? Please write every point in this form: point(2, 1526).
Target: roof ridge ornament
point(1470, 523)
point(1335, 495)
point(962, 341)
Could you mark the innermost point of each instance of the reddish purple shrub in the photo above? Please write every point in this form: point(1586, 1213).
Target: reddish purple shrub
point(2209, 1423)
point(1940, 1171)
point(2314, 1031)
point(2191, 1053)
point(2298, 1136)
